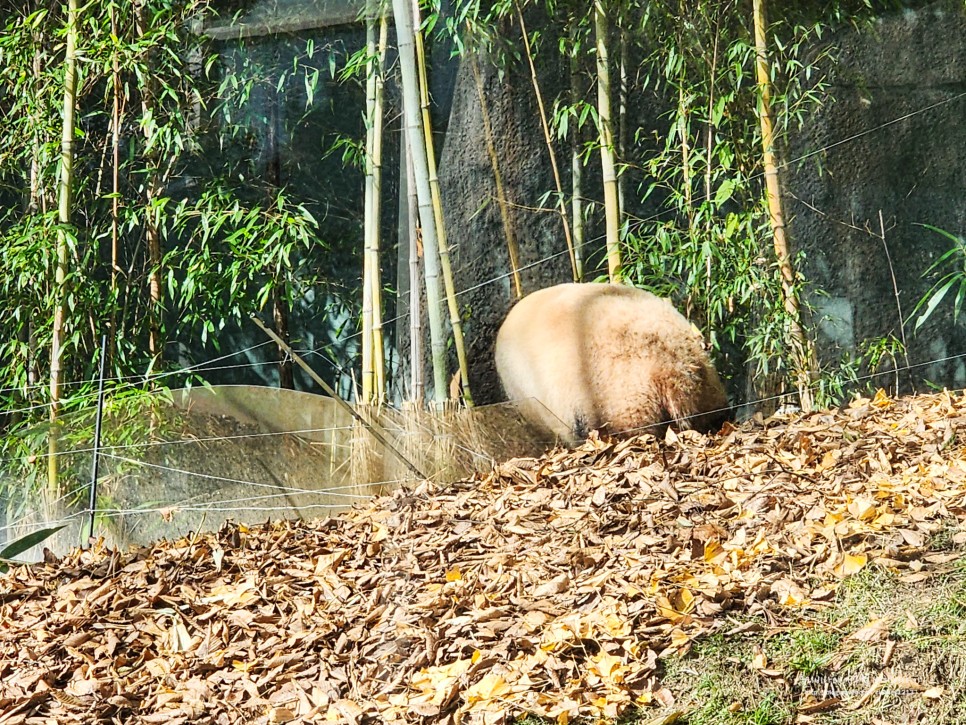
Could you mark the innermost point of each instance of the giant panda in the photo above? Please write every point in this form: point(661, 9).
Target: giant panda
point(606, 357)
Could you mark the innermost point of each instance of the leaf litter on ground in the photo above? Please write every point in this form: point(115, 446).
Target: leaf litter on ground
point(552, 586)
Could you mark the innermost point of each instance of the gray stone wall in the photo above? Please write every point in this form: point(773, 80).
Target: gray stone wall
point(893, 139)
point(894, 143)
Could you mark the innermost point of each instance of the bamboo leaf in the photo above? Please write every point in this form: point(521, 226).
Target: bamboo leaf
point(23, 544)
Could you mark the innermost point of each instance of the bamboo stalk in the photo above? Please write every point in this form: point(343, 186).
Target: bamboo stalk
point(65, 193)
point(447, 268)
point(561, 204)
point(801, 348)
point(369, 220)
point(513, 249)
point(115, 182)
point(416, 143)
point(623, 127)
point(415, 306)
point(280, 307)
point(152, 233)
point(577, 175)
point(373, 358)
point(378, 348)
point(608, 166)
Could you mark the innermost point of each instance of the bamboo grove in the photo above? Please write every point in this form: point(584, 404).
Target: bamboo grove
point(134, 208)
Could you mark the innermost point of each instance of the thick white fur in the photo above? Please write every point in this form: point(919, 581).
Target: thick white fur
point(606, 357)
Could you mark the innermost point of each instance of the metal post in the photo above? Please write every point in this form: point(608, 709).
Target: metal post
point(97, 440)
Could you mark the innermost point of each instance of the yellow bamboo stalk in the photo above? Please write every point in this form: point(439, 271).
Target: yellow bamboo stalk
point(561, 204)
point(370, 222)
point(801, 347)
point(607, 162)
point(448, 282)
point(379, 356)
point(511, 243)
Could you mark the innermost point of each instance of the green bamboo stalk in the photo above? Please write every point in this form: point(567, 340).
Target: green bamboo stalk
point(447, 268)
point(65, 193)
point(577, 175)
point(416, 143)
point(608, 165)
point(152, 191)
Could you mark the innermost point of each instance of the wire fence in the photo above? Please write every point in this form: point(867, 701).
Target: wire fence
point(200, 460)
point(192, 460)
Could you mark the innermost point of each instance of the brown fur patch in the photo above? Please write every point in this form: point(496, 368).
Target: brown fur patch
point(607, 357)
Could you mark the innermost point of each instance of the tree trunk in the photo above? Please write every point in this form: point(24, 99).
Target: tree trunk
point(65, 188)
point(608, 165)
point(800, 345)
point(416, 143)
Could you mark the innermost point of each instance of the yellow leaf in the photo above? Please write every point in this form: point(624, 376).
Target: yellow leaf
point(713, 550)
point(607, 667)
point(454, 575)
point(828, 461)
point(851, 564)
point(862, 508)
point(684, 601)
point(475, 657)
point(881, 399)
point(491, 687)
point(789, 593)
point(678, 637)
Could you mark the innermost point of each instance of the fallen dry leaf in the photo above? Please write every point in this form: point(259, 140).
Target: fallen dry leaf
point(552, 586)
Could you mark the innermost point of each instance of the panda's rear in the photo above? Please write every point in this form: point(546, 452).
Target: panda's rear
point(607, 357)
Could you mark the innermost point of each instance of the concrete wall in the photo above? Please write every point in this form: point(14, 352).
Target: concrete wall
point(895, 143)
point(910, 64)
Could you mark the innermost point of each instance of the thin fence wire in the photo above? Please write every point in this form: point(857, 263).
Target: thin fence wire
point(222, 505)
point(752, 402)
point(235, 481)
point(635, 222)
